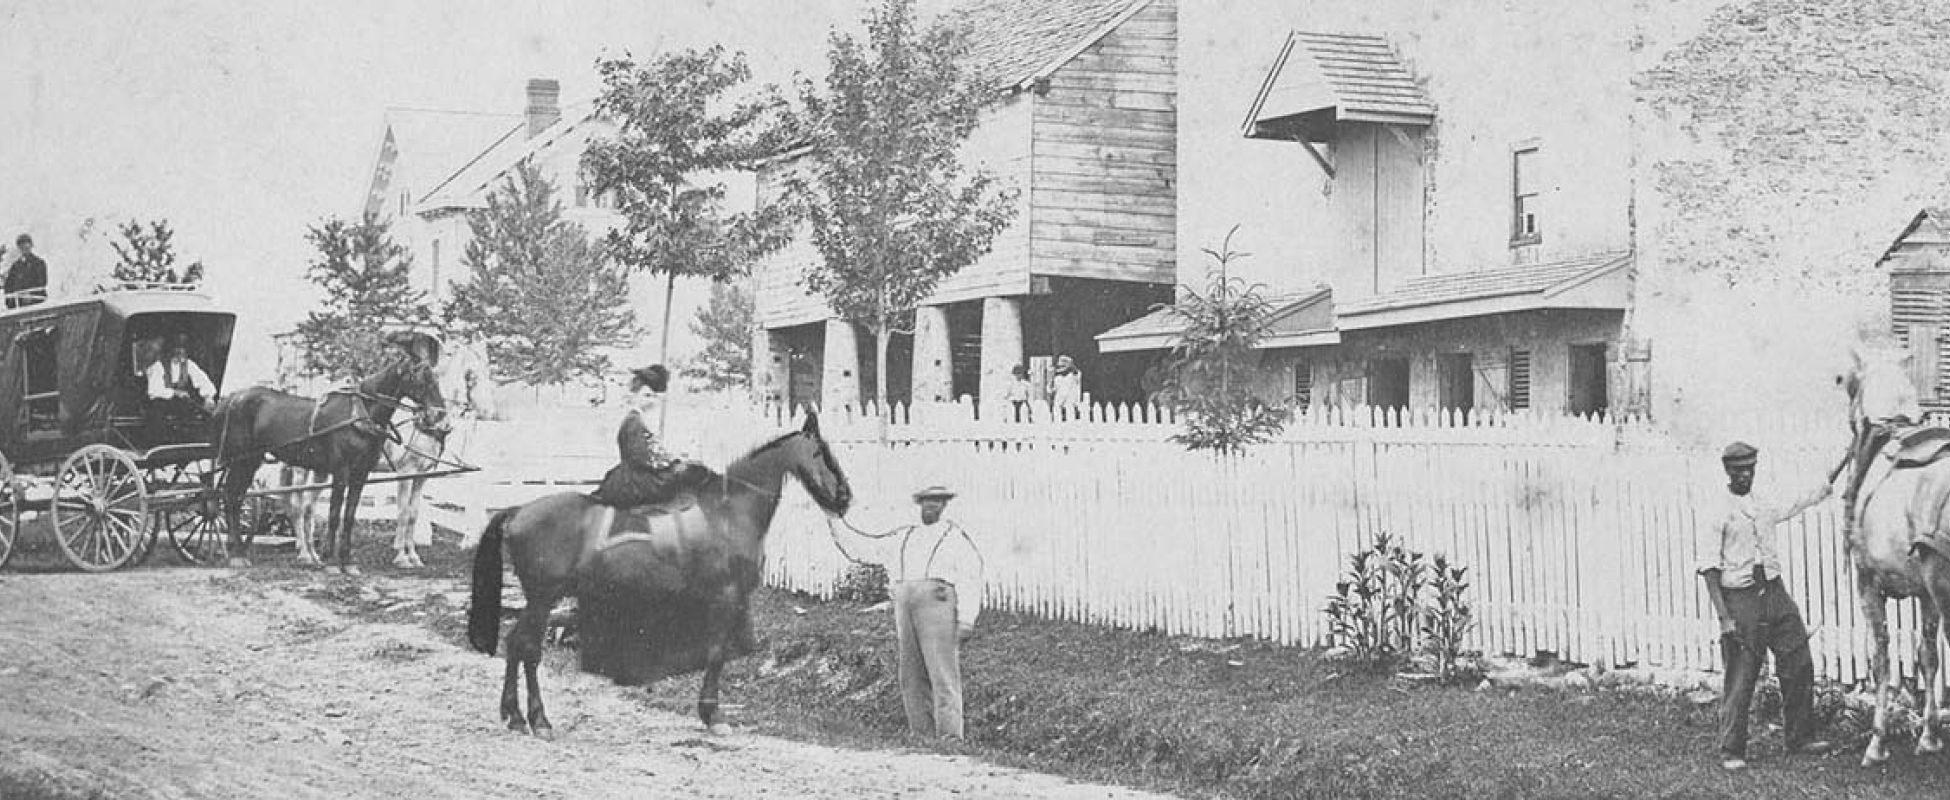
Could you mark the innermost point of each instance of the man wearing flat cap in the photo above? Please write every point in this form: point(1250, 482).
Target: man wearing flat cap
point(646, 473)
point(934, 576)
point(1739, 559)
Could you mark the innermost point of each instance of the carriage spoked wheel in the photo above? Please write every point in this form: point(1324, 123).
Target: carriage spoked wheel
point(100, 508)
point(9, 510)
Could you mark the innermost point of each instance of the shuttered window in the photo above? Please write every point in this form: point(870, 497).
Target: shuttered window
point(1519, 379)
point(1303, 383)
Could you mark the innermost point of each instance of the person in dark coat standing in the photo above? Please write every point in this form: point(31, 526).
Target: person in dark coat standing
point(26, 282)
point(647, 473)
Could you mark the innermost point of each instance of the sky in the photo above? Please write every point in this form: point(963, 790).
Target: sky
point(244, 123)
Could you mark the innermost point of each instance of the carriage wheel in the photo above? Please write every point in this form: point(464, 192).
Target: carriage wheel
point(197, 531)
point(101, 508)
point(9, 510)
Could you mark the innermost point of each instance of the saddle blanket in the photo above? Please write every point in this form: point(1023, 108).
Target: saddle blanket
point(665, 522)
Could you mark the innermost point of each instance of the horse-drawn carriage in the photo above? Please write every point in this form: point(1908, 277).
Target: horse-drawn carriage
point(84, 449)
point(81, 447)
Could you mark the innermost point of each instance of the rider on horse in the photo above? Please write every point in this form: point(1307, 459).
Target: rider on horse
point(647, 473)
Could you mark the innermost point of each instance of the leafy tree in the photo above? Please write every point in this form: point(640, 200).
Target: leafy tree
point(148, 255)
point(544, 297)
point(1208, 375)
point(725, 325)
point(678, 122)
point(367, 292)
point(892, 210)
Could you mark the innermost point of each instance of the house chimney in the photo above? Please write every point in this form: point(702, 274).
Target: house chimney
point(543, 106)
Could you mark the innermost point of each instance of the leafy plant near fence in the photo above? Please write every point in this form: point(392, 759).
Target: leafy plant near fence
point(862, 583)
point(1395, 602)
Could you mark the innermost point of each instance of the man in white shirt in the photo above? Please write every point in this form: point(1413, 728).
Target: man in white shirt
point(934, 575)
point(1740, 561)
point(176, 385)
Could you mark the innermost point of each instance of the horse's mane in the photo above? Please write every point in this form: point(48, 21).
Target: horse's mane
point(718, 478)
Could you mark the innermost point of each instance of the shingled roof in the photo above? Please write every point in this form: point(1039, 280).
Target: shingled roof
point(1529, 287)
point(430, 145)
point(1325, 77)
point(1015, 42)
point(1930, 228)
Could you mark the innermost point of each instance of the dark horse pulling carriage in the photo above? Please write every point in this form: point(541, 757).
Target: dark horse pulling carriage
point(84, 448)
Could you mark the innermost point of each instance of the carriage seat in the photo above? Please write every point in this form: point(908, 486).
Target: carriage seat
point(1920, 446)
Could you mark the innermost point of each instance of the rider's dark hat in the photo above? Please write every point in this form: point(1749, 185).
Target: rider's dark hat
point(1739, 454)
point(653, 376)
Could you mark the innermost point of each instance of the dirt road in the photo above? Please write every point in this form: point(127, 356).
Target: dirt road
point(197, 683)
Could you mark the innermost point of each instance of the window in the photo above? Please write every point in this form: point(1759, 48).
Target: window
point(1519, 379)
point(1457, 381)
point(40, 407)
point(1588, 390)
point(1303, 384)
point(1526, 184)
point(1388, 382)
point(582, 195)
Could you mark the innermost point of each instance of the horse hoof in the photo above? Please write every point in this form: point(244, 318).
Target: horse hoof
point(544, 733)
point(518, 726)
point(1930, 745)
point(719, 729)
point(1873, 757)
point(401, 561)
point(417, 563)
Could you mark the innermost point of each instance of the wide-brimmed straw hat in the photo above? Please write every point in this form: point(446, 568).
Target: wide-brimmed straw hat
point(936, 490)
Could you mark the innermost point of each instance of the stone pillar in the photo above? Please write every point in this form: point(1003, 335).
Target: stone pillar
point(771, 368)
point(1001, 346)
point(934, 368)
point(840, 379)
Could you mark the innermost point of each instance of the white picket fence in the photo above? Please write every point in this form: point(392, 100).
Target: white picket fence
point(1579, 534)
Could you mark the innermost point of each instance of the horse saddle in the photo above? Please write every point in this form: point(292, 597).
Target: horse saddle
point(665, 521)
point(1920, 446)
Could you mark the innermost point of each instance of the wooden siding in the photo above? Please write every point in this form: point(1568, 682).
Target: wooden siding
point(1103, 201)
point(1000, 144)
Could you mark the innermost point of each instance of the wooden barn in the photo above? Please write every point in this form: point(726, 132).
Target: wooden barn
point(1084, 124)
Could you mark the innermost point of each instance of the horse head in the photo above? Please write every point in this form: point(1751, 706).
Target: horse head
point(414, 377)
point(817, 470)
point(1878, 383)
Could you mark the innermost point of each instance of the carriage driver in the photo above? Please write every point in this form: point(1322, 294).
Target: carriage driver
point(176, 385)
point(647, 474)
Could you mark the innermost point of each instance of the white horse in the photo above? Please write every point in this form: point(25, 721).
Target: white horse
point(1900, 547)
point(463, 379)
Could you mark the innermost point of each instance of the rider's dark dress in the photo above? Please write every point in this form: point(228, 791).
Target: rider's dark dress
point(646, 473)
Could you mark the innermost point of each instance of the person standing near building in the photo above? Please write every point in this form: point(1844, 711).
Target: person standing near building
point(26, 282)
point(1066, 390)
point(1018, 393)
point(1741, 565)
point(934, 575)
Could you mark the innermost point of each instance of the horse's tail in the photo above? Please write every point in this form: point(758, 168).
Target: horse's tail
point(484, 613)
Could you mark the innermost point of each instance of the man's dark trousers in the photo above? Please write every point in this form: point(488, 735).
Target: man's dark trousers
point(1765, 619)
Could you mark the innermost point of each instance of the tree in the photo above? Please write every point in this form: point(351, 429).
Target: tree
point(725, 325)
point(1208, 374)
point(892, 211)
point(367, 292)
point(148, 255)
point(677, 124)
point(544, 297)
